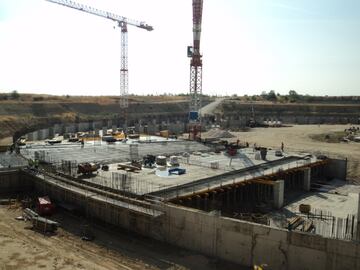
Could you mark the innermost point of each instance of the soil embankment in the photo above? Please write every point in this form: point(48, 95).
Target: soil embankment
point(233, 113)
point(22, 117)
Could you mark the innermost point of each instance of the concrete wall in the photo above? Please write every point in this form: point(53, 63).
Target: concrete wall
point(247, 243)
point(70, 128)
point(6, 141)
point(43, 134)
point(14, 181)
point(336, 168)
point(233, 240)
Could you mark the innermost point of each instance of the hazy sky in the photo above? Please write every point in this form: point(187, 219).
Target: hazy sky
point(248, 46)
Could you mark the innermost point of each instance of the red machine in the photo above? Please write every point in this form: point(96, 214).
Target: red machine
point(231, 150)
point(44, 206)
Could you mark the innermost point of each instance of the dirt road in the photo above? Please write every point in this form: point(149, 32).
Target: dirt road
point(23, 248)
point(298, 138)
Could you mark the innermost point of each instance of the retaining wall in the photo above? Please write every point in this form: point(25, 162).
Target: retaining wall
point(336, 168)
point(233, 240)
point(14, 181)
point(248, 243)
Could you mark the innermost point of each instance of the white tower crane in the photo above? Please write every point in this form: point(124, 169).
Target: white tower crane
point(122, 23)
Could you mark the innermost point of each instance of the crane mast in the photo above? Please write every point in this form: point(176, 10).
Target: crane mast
point(195, 72)
point(122, 22)
point(124, 75)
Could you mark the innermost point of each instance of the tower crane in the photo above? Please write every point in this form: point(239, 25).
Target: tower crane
point(195, 72)
point(122, 22)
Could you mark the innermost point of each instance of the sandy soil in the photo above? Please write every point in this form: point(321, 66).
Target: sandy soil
point(298, 138)
point(23, 248)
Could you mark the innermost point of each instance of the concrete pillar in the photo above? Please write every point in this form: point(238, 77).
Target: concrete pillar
point(358, 210)
point(358, 217)
point(109, 123)
point(307, 179)
point(279, 194)
point(104, 131)
point(51, 132)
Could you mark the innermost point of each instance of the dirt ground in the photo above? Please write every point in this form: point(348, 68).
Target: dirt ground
point(298, 138)
point(23, 248)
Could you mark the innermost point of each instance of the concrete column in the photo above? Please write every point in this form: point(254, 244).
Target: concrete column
point(51, 132)
point(358, 210)
point(307, 179)
point(104, 131)
point(278, 194)
point(358, 218)
point(109, 123)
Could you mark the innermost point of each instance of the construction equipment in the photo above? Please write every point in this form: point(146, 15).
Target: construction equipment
point(177, 171)
point(231, 150)
point(195, 73)
point(305, 208)
point(44, 206)
point(87, 168)
point(129, 167)
point(39, 223)
point(149, 161)
point(122, 22)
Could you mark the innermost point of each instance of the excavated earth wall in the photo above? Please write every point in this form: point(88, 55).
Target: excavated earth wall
point(233, 113)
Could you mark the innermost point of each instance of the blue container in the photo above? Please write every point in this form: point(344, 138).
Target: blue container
point(194, 115)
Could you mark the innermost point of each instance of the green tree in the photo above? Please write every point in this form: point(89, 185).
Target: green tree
point(271, 95)
point(293, 96)
point(15, 95)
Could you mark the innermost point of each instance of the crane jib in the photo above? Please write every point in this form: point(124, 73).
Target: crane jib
point(102, 13)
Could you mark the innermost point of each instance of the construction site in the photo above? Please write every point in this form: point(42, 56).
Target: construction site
point(236, 183)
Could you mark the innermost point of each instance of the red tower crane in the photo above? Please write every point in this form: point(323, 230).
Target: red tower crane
point(122, 24)
point(195, 72)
